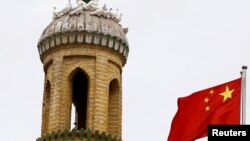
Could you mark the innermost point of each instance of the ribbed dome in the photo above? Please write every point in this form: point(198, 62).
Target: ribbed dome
point(84, 28)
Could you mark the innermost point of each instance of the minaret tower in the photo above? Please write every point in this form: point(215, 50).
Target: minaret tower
point(83, 51)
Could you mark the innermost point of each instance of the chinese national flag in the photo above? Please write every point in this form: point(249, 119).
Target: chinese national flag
point(216, 105)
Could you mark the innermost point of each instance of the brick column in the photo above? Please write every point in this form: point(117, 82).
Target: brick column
point(55, 98)
point(101, 96)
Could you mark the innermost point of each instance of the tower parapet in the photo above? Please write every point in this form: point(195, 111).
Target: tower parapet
point(83, 51)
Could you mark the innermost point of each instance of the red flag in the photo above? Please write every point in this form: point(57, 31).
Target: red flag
point(216, 105)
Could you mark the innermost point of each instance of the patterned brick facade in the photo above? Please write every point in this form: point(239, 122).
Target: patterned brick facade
point(103, 67)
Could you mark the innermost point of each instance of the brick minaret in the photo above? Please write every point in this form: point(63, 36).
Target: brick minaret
point(83, 53)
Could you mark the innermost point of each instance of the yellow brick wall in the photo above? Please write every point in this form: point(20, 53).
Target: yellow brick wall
point(101, 65)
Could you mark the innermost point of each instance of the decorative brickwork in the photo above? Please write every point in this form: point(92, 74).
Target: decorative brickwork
point(78, 135)
point(103, 69)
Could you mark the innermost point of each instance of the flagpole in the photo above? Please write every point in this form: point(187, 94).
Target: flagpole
point(243, 95)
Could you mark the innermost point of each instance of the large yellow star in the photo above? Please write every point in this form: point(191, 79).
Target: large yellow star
point(227, 94)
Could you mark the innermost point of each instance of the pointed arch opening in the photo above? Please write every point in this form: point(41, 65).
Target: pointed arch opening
point(46, 106)
point(113, 107)
point(79, 89)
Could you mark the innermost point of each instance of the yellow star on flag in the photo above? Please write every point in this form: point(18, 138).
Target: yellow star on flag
point(206, 100)
point(211, 92)
point(227, 94)
point(207, 108)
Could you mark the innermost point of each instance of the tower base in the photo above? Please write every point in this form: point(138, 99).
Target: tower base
point(78, 135)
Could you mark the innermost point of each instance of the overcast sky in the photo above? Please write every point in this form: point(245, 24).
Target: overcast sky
point(177, 47)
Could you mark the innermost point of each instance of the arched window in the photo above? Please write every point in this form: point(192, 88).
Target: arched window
point(46, 107)
point(79, 98)
point(113, 107)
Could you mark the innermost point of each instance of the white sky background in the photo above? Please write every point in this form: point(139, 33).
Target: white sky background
point(177, 47)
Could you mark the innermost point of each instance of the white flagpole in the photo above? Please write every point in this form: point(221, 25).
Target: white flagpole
point(243, 96)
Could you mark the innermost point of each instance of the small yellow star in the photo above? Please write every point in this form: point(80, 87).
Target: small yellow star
point(211, 92)
point(206, 100)
point(227, 94)
point(207, 108)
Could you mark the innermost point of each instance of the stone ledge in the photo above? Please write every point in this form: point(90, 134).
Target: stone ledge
point(56, 40)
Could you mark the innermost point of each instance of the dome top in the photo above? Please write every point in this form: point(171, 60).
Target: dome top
point(86, 23)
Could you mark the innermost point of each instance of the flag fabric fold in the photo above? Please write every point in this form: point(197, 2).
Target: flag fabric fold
point(216, 105)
